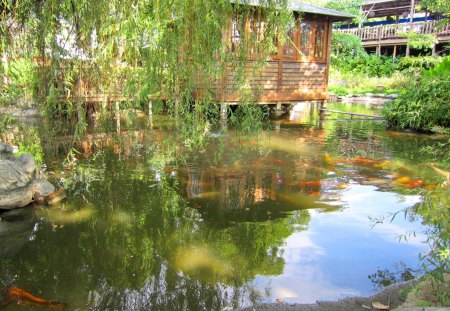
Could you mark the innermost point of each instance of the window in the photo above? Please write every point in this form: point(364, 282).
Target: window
point(257, 29)
point(319, 41)
point(289, 48)
point(305, 39)
point(235, 34)
point(256, 32)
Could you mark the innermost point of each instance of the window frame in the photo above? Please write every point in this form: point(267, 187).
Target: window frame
point(279, 55)
point(313, 56)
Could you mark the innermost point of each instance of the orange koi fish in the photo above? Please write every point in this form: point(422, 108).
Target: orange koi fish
point(365, 161)
point(278, 161)
point(403, 180)
point(21, 297)
point(316, 183)
point(394, 133)
point(328, 159)
point(414, 184)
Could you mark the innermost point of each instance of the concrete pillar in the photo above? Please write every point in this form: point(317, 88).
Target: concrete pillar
point(117, 117)
point(394, 54)
point(177, 107)
point(433, 50)
point(150, 106)
point(407, 50)
point(223, 111)
point(322, 113)
point(277, 127)
point(278, 106)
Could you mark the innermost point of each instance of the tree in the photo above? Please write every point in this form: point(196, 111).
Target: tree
point(148, 48)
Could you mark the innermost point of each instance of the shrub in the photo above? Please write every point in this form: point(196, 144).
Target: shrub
point(425, 106)
point(425, 62)
point(348, 55)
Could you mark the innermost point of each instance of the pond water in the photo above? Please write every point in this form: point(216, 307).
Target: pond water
point(287, 215)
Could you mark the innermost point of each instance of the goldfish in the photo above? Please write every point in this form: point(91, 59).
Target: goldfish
point(402, 180)
point(21, 297)
point(316, 183)
point(413, 184)
point(383, 164)
point(328, 159)
point(314, 193)
point(365, 161)
point(394, 133)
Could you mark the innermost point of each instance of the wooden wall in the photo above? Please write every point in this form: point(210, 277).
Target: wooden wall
point(282, 79)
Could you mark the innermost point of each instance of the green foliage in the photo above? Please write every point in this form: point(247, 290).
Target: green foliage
point(348, 6)
point(19, 76)
point(425, 105)
point(425, 62)
point(420, 41)
point(370, 65)
point(436, 6)
point(348, 55)
point(435, 211)
point(439, 153)
point(343, 83)
point(346, 45)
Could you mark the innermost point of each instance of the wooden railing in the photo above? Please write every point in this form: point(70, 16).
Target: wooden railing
point(395, 31)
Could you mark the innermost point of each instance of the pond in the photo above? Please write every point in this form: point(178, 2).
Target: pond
point(149, 224)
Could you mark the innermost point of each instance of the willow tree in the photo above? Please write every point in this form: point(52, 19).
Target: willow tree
point(143, 49)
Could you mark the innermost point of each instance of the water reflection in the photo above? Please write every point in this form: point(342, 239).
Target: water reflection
point(16, 228)
point(150, 224)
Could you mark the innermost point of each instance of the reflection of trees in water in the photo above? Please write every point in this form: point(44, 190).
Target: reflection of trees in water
point(124, 255)
point(348, 140)
point(386, 277)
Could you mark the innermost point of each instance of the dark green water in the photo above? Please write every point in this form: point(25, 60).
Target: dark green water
point(152, 225)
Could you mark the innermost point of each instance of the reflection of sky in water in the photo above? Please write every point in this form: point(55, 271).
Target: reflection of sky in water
point(336, 254)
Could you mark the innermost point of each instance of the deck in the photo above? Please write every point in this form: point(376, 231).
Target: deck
point(394, 34)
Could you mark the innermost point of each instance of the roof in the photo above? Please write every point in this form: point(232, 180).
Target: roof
point(380, 8)
point(298, 6)
point(312, 9)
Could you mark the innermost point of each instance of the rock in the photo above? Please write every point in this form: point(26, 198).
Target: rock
point(17, 180)
point(18, 197)
point(12, 176)
point(27, 164)
point(16, 227)
point(392, 96)
point(5, 149)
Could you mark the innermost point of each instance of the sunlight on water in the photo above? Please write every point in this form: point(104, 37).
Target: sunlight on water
point(201, 263)
point(287, 215)
point(62, 216)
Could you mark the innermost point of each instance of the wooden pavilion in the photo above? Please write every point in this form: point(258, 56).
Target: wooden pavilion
point(298, 71)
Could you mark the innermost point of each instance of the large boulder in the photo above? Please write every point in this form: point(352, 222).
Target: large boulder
point(18, 185)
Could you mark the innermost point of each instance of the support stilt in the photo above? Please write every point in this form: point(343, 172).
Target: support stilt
point(117, 117)
point(150, 105)
point(223, 112)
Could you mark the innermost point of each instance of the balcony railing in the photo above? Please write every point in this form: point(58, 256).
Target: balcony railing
point(396, 31)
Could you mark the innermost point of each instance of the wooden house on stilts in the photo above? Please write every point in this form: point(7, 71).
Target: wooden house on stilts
point(298, 70)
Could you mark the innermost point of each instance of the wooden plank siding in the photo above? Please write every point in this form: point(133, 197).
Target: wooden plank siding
point(283, 78)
